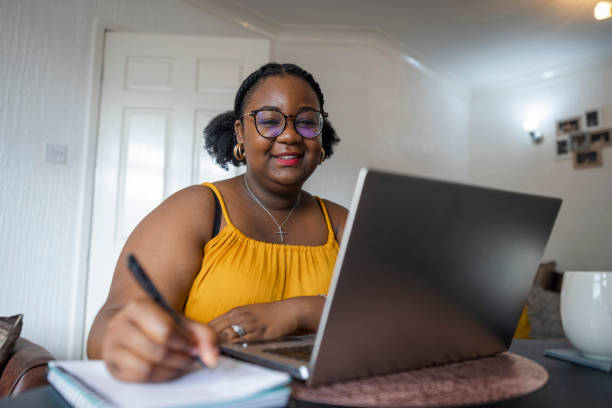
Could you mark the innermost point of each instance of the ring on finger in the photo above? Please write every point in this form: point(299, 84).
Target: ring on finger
point(238, 329)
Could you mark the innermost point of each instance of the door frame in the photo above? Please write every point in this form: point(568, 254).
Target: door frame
point(77, 347)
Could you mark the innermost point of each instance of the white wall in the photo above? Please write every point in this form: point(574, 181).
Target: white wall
point(45, 62)
point(502, 155)
point(388, 114)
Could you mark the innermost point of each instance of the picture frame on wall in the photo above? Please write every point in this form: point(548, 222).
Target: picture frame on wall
point(601, 138)
point(592, 118)
point(569, 126)
point(562, 148)
point(580, 142)
point(587, 159)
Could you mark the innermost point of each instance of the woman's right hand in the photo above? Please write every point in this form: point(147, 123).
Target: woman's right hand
point(142, 343)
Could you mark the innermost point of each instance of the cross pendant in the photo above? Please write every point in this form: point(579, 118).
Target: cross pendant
point(281, 233)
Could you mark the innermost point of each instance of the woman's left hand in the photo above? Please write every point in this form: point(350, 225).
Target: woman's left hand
point(269, 320)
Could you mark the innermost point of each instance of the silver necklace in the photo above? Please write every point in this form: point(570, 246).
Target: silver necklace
point(280, 226)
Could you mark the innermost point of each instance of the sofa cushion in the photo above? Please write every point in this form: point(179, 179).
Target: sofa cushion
point(10, 329)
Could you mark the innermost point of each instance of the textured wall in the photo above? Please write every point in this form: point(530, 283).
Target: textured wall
point(502, 155)
point(388, 115)
point(45, 59)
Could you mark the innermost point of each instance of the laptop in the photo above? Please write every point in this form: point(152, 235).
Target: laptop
point(428, 272)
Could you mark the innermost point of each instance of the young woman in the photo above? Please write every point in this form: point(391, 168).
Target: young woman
point(244, 258)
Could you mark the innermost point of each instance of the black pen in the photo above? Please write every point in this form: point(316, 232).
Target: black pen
point(149, 287)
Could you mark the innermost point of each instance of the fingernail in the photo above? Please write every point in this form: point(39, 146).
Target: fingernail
point(210, 357)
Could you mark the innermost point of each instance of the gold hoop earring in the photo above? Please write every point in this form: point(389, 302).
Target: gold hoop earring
point(239, 153)
point(322, 155)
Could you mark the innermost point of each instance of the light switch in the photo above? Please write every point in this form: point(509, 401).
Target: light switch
point(55, 153)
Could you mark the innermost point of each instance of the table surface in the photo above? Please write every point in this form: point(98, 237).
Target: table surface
point(569, 385)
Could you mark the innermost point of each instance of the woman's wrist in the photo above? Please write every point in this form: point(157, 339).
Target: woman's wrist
point(307, 311)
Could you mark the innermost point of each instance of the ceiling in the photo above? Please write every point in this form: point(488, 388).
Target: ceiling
point(480, 42)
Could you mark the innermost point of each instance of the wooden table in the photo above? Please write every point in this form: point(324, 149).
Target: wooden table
point(569, 385)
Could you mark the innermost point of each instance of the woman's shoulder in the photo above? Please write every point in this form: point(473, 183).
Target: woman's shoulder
point(204, 192)
point(202, 196)
point(189, 208)
point(188, 196)
point(337, 216)
point(183, 219)
point(335, 208)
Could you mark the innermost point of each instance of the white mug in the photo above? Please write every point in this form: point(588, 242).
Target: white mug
point(586, 312)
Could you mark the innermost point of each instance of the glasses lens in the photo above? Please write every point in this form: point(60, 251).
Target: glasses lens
point(269, 123)
point(309, 123)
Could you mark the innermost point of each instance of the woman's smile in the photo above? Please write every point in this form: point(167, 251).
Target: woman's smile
point(288, 159)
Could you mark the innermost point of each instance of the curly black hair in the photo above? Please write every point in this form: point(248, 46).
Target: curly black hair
point(219, 137)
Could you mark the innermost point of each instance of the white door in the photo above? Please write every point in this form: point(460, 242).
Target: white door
point(158, 93)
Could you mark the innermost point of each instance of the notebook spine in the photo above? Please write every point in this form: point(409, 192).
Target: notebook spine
point(78, 393)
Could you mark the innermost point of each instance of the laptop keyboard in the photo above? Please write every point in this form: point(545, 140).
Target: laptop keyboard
point(301, 353)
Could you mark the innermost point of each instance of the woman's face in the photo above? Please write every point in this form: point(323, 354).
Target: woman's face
point(289, 158)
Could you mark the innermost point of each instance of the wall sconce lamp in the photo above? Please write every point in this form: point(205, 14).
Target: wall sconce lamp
point(603, 10)
point(531, 127)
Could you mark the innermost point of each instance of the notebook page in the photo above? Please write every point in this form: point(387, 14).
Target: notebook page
point(231, 380)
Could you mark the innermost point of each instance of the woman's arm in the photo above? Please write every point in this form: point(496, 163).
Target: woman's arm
point(137, 339)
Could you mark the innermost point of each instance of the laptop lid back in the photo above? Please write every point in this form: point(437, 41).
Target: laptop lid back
point(428, 272)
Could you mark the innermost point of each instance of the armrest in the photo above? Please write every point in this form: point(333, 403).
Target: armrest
point(25, 369)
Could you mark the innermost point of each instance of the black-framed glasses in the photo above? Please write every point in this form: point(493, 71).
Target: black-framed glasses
point(271, 123)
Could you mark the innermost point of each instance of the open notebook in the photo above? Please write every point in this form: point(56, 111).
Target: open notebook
point(231, 384)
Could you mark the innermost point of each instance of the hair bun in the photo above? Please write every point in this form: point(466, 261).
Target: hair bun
point(219, 139)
